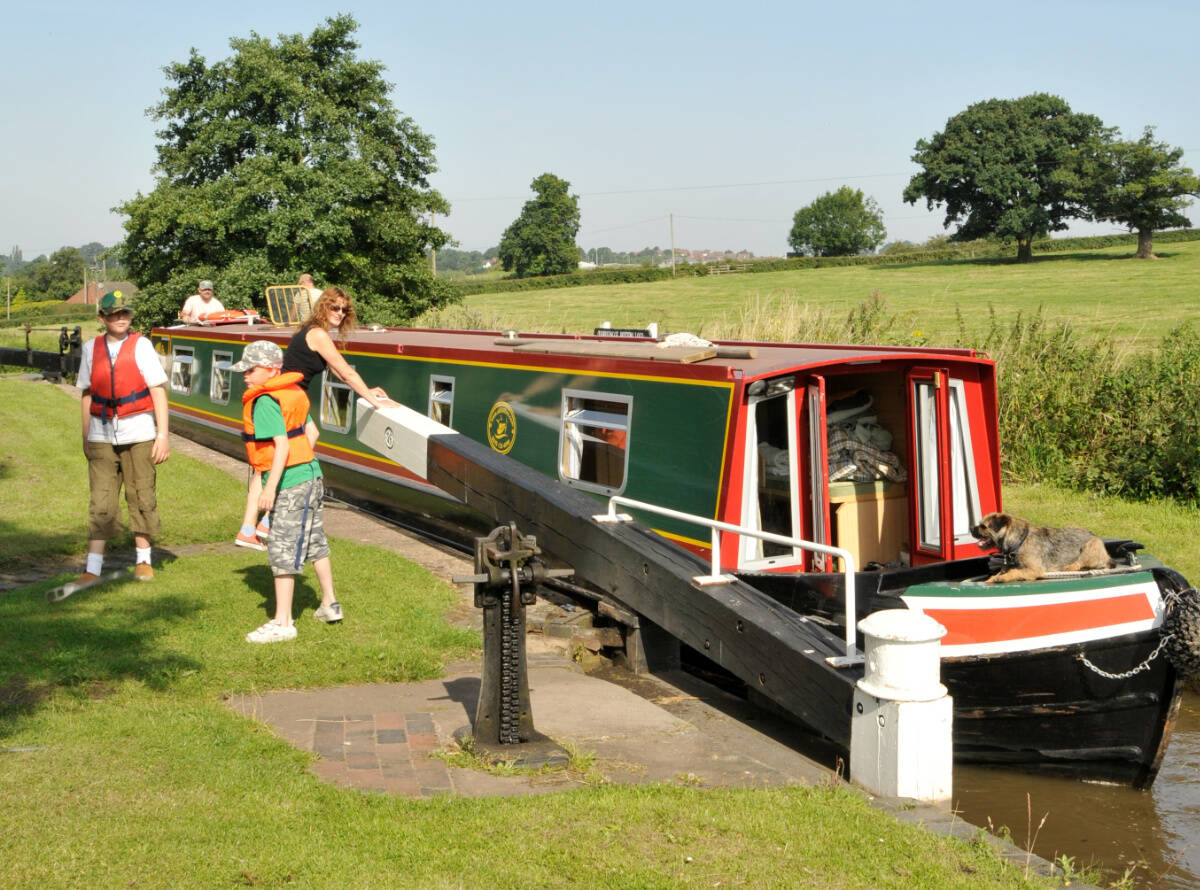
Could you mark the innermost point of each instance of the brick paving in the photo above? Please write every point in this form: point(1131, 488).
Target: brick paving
point(387, 752)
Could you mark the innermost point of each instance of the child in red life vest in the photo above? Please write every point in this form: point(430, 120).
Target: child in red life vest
point(274, 411)
point(124, 414)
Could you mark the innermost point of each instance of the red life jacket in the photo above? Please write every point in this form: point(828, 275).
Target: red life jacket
point(118, 388)
point(294, 403)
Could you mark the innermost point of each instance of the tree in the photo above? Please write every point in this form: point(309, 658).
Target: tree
point(1008, 168)
point(541, 241)
point(286, 157)
point(56, 278)
point(1142, 185)
point(840, 223)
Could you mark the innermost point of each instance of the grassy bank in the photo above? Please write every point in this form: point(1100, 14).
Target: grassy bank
point(1101, 291)
point(120, 765)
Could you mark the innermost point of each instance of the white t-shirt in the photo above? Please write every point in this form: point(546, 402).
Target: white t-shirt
point(195, 305)
point(123, 430)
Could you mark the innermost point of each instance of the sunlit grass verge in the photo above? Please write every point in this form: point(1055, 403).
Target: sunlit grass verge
point(146, 790)
point(123, 767)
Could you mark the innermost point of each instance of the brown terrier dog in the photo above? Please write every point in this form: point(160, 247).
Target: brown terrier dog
point(1034, 550)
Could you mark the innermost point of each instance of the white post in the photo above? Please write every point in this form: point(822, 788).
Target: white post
point(900, 727)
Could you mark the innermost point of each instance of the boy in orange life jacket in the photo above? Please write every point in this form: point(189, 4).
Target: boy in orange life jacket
point(274, 411)
point(124, 408)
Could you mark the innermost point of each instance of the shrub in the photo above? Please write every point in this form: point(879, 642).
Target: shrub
point(1074, 412)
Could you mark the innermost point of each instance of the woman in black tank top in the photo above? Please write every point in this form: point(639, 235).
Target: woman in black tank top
point(312, 350)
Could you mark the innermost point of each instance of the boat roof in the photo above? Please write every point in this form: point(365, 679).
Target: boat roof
point(693, 358)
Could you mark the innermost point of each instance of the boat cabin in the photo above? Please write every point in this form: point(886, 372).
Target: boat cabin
point(891, 453)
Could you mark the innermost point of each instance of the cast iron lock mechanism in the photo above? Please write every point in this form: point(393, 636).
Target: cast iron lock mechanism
point(508, 570)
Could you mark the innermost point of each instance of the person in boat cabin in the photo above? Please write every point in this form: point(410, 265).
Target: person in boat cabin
point(311, 351)
point(314, 292)
point(274, 414)
point(200, 303)
point(124, 415)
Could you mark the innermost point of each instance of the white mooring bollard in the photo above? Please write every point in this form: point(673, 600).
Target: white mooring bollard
point(900, 742)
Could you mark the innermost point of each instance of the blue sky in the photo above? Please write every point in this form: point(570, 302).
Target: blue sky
point(730, 118)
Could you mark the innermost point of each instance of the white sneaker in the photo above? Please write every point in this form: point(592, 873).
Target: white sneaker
point(272, 633)
point(330, 614)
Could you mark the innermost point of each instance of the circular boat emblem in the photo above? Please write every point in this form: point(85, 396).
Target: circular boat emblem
point(501, 427)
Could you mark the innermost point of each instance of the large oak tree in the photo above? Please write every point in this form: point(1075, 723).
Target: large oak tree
point(1008, 168)
point(285, 157)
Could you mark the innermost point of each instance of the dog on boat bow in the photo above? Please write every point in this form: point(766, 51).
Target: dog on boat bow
point(1030, 551)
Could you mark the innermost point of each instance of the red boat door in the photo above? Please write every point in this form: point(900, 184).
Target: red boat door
point(931, 494)
point(817, 464)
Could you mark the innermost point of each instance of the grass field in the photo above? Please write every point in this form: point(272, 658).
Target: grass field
point(120, 765)
point(1102, 292)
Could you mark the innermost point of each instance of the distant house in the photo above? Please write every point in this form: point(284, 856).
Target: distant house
point(97, 289)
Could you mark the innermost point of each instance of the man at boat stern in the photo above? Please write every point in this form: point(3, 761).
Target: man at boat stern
point(124, 418)
point(200, 303)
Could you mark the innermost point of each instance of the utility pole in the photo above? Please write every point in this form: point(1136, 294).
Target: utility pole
point(672, 245)
point(432, 251)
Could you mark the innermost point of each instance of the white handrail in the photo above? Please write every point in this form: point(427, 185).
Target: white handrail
point(717, 526)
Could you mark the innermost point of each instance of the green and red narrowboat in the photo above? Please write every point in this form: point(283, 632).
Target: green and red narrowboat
point(890, 453)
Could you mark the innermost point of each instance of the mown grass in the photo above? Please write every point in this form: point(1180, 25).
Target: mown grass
point(1101, 291)
point(121, 766)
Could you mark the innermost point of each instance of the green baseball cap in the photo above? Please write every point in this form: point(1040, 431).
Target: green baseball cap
point(112, 303)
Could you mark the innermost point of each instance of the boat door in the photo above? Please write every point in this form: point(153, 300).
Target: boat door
point(945, 500)
point(770, 503)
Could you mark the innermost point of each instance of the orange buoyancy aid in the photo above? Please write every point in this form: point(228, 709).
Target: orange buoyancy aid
point(118, 388)
point(294, 403)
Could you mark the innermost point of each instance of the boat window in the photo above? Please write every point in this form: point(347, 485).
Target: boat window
point(962, 466)
point(184, 369)
point(337, 404)
point(928, 502)
point(594, 445)
point(441, 399)
point(218, 387)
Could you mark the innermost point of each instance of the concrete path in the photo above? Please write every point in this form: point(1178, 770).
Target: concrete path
point(382, 737)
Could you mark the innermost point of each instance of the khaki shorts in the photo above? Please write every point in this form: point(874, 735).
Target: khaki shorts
point(109, 468)
point(297, 528)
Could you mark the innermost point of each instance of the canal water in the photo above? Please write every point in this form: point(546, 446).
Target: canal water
point(1154, 834)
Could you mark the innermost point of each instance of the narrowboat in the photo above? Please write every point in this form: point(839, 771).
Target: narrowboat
point(890, 454)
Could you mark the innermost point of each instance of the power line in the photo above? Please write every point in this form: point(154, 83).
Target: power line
point(715, 186)
point(694, 188)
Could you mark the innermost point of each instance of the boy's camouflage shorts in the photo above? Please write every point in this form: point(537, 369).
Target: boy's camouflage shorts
point(297, 528)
